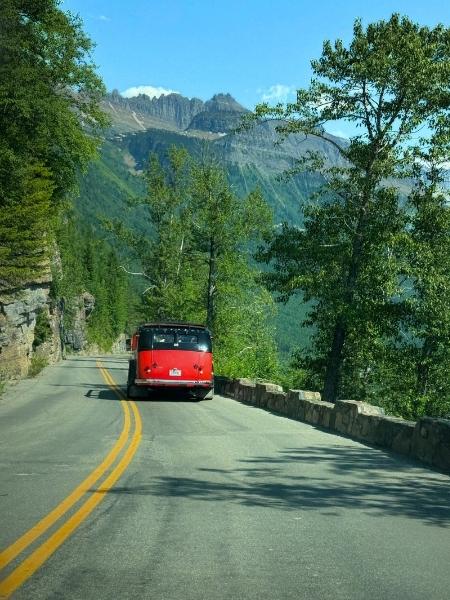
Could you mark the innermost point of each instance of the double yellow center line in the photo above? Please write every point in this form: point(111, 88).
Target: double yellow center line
point(25, 569)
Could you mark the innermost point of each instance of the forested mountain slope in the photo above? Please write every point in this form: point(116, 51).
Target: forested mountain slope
point(141, 126)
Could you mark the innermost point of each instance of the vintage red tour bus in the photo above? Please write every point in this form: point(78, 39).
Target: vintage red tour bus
point(171, 355)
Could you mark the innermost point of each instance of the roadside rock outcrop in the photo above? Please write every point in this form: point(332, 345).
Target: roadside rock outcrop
point(75, 337)
point(19, 311)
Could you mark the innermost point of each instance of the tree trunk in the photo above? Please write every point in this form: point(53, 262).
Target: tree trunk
point(423, 367)
point(332, 375)
point(334, 364)
point(211, 285)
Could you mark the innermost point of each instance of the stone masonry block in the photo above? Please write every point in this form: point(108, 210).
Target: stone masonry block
point(292, 404)
point(327, 415)
point(276, 401)
point(245, 390)
point(250, 394)
point(307, 395)
point(302, 408)
point(312, 411)
point(431, 442)
point(395, 433)
point(219, 384)
point(345, 414)
point(364, 427)
point(229, 388)
point(347, 411)
point(261, 392)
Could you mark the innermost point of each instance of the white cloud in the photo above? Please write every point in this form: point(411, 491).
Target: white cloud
point(104, 18)
point(149, 90)
point(277, 93)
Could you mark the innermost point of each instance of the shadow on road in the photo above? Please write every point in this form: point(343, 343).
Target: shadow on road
point(102, 394)
point(95, 391)
point(349, 478)
point(103, 359)
point(123, 369)
point(170, 395)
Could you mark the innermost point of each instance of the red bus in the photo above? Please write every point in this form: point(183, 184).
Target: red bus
point(171, 355)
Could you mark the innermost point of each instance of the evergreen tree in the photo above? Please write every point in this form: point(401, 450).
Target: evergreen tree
point(69, 272)
point(197, 265)
point(392, 81)
point(118, 295)
point(415, 373)
point(47, 88)
point(25, 217)
point(237, 306)
point(170, 267)
point(90, 264)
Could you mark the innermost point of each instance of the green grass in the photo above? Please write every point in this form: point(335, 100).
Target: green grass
point(37, 364)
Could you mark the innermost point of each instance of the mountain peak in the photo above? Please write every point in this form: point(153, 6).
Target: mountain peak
point(223, 102)
point(140, 112)
point(219, 115)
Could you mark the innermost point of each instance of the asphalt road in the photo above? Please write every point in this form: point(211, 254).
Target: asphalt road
point(217, 500)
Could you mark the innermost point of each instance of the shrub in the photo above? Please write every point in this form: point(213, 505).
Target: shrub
point(38, 363)
point(42, 329)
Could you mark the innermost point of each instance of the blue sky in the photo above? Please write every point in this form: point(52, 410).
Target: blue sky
point(254, 49)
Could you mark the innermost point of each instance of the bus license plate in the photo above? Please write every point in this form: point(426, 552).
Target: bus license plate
point(175, 372)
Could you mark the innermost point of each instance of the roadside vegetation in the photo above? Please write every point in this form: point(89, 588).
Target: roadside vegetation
point(38, 363)
point(197, 265)
point(47, 82)
point(373, 258)
point(90, 264)
point(52, 128)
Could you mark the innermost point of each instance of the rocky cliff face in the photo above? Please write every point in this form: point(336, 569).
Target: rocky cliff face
point(224, 103)
point(172, 111)
point(19, 311)
point(175, 109)
point(75, 338)
point(219, 115)
point(31, 326)
point(260, 146)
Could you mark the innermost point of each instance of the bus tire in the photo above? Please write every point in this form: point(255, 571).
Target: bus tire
point(131, 388)
point(131, 371)
point(205, 395)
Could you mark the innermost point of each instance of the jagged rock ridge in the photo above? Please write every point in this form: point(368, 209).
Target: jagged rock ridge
point(174, 112)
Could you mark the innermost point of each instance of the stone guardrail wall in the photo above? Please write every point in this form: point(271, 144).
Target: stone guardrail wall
point(427, 440)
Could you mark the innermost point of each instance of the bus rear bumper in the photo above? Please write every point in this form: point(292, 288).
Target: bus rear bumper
point(173, 383)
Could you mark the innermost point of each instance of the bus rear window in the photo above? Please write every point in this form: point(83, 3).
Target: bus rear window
point(163, 338)
point(187, 339)
point(173, 339)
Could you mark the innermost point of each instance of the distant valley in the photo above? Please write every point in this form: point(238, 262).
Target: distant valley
point(141, 126)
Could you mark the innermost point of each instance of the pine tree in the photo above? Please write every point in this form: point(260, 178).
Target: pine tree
point(26, 226)
point(415, 375)
point(49, 122)
point(197, 265)
point(391, 82)
point(170, 266)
